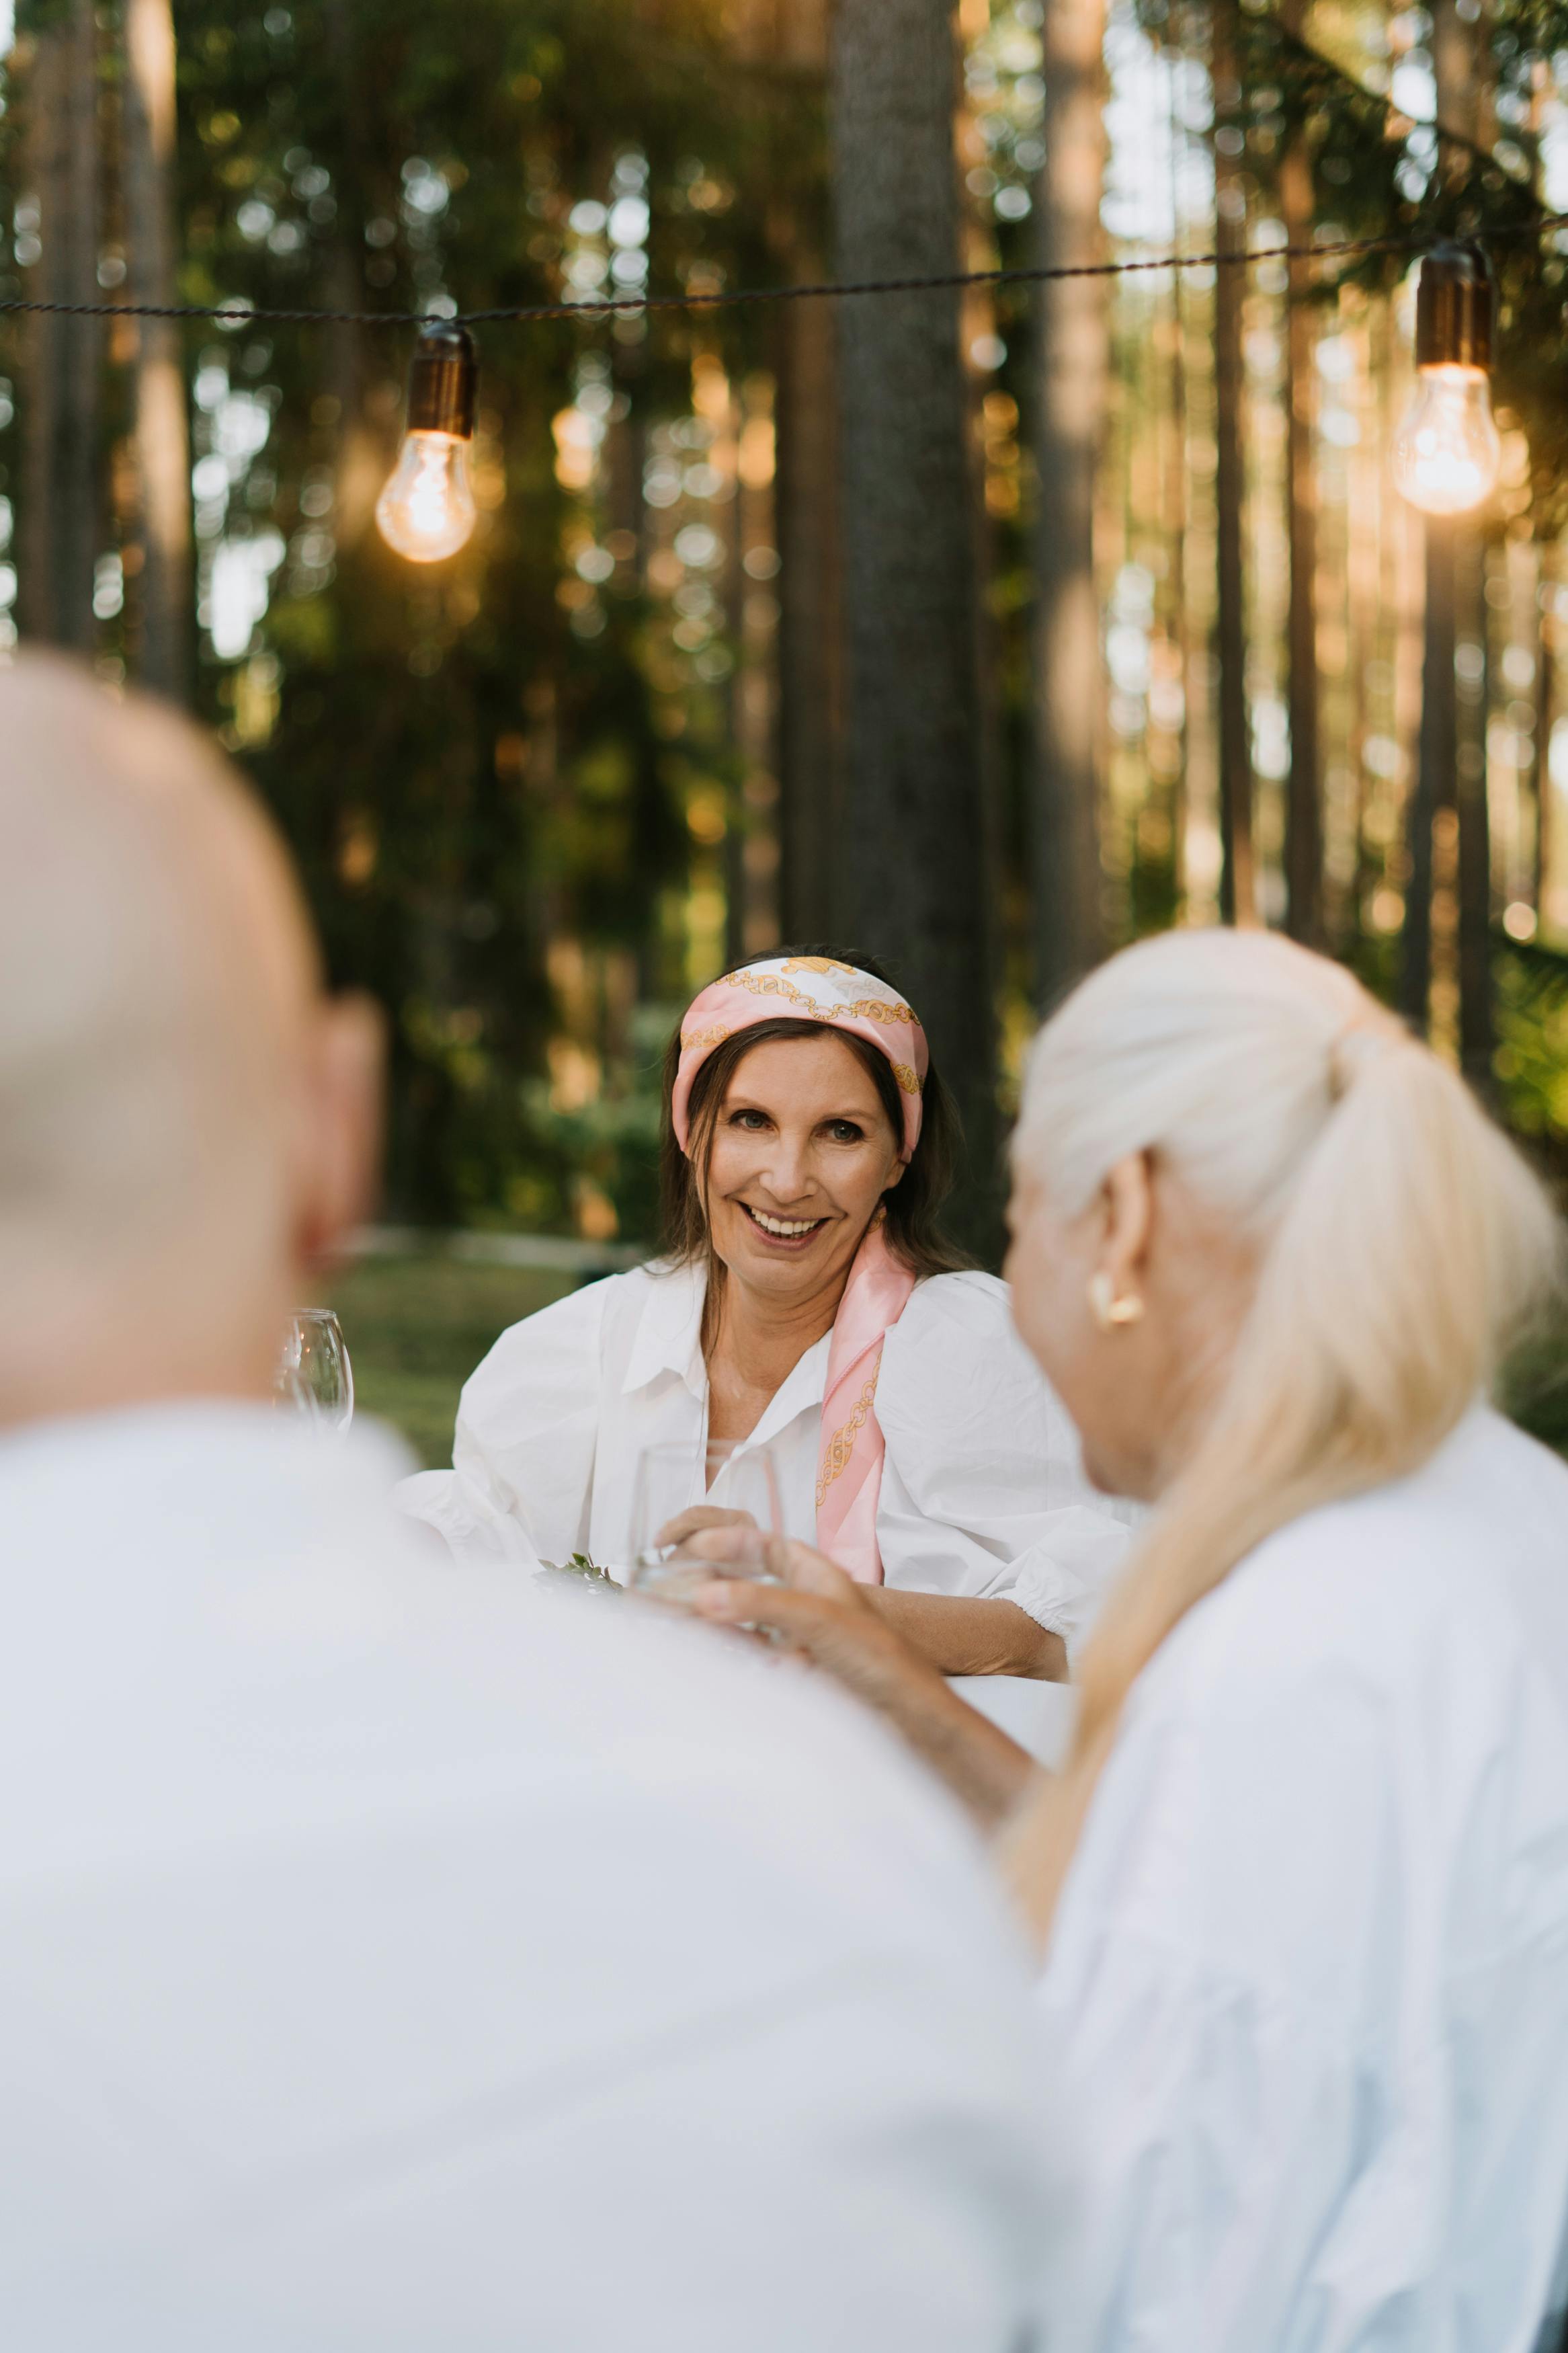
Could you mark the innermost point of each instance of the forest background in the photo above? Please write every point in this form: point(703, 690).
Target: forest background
point(986, 629)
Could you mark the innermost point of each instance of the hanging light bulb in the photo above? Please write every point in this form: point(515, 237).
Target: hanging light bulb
point(426, 510)
point(1446, 451)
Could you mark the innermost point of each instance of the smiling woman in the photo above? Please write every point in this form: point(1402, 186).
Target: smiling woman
point(808, 1298)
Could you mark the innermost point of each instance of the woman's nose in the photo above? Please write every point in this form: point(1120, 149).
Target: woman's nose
point(787, 1175)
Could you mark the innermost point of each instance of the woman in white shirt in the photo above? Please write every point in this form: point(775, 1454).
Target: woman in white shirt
point(1305, 1876)
point(808, 1298)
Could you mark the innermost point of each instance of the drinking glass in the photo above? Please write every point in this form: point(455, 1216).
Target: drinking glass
point(314, 1375)
point(731, 1475)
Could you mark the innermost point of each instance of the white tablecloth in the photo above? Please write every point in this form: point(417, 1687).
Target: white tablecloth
point(1039, 1716)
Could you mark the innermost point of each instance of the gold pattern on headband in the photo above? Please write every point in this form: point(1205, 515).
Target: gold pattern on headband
point(864, 1009)
point(818, 964)
point(910, 1081)
point(706, 1039)
point(841, 1445)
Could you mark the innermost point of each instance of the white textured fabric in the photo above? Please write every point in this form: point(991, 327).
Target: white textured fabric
point(983, 1491)
point(401, 1961)
point(1307, 1997)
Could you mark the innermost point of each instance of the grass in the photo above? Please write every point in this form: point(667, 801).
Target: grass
point(417, 1327)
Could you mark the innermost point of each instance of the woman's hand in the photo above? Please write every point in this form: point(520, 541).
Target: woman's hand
point(825, 1615)
point(699, 1517)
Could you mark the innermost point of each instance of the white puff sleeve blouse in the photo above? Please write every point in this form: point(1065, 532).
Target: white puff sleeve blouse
point(983, 1494)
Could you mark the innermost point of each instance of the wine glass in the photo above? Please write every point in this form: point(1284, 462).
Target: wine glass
point(314, 1375)
point(731, 1475)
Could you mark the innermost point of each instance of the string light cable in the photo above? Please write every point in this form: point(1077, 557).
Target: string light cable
point(623, 306)
point(426, 510)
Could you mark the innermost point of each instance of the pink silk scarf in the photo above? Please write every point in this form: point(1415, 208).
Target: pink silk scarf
point(849, 1469)
point(816, 989)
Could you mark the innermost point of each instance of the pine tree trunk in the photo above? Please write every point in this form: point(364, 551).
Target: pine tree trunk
point(43, 84)
point(806, 505)
point(163, 437)
point(1477, 1038)
point(1237, 889)
point(1072, 340)
point(1303, 809)
point(61, 501)
point(1545, 713)
point(1460, 57)
point(811, 622)
point(363, 458)
point(912, 853)
point(1436, 761)
point(77, 479)
point(1454, 60)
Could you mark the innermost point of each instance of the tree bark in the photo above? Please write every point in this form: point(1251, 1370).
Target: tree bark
point(162, 436)
point(1303, 806)
point(810, 645)
point(1238, 888)
point(60, 520)
point(363, 457)
point(1546, 712)
point(1072, 339)
point(810, 641)
point(43, 107)
point(1460, 58)
point(1455, 62)
point(912, 853)
point(1435, 769)
point(1477, 1041)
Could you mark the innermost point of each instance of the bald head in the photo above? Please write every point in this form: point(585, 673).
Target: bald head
point(159, 1051)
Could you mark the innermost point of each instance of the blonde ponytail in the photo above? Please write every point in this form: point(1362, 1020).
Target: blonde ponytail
point(1402, 1243)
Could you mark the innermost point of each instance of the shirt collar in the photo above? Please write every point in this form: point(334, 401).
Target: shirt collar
point(669, 1332)
point(806, 1386)
point(669, 1340)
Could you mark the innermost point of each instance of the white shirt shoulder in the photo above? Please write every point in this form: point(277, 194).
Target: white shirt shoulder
point(1307, 1967)
point(389, 1954)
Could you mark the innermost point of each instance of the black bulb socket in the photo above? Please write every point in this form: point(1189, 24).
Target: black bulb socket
point(443, 381)
point(1456, 305)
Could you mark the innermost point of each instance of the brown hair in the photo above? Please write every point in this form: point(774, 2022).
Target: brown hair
point(913, 1206)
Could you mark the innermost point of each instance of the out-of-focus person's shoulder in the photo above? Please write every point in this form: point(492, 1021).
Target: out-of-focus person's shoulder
point(485, 1890)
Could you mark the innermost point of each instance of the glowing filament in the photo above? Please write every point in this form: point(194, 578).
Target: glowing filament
point(426, 510)
point(1446, 451)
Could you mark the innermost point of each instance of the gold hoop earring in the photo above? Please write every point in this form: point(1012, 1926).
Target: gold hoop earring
point(1110, 1313)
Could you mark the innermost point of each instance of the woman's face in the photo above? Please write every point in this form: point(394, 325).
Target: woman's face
point(802, 1153)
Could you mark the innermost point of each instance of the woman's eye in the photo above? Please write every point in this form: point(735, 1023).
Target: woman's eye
point(750, 1119)
point(845, 1131)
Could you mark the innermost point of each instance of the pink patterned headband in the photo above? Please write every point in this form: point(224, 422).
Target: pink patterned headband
point(804, 989)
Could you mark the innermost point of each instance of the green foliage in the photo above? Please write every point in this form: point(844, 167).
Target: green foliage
point(417, 1327)
point(464, 772)
point(1376, 174)
point(1531, 1003)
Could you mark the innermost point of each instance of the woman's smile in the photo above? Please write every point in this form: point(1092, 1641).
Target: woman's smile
point(791, 1233)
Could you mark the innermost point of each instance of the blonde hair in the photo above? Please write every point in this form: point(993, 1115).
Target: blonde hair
point(1402, 1243)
